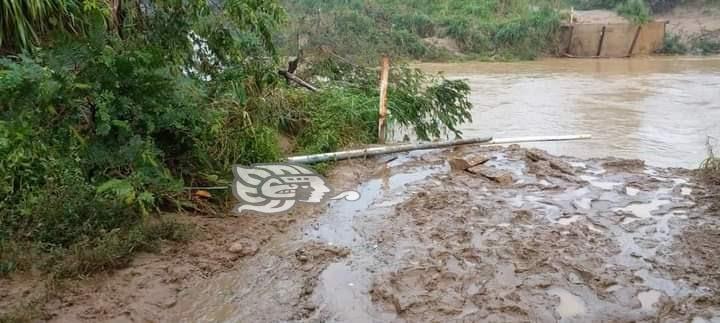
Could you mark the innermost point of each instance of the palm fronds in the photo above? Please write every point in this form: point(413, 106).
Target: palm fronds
point(23, 22)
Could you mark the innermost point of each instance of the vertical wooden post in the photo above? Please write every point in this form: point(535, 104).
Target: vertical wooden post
point(602, 38)
point(568, 48)
point(632, 46)
point(384, 75)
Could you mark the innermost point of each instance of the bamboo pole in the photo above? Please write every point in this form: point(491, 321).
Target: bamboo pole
point(307, 159)
point(384, 75)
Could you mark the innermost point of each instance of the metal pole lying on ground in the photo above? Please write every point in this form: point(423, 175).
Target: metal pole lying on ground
point(518, 140)
point(384, 150)
point(421, 146)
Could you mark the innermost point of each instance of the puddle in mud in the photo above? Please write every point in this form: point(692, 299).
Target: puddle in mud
point(343, 292)
point(583, 203)
point(570, 304)
point(631, 191)
point(641, 210)
point(336, 225)
point(601, 184)
point(648, 299)
point(345, 288)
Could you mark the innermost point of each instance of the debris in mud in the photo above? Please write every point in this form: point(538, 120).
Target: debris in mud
point(537, 155)
point(467, 162)
point(317, 252)
point(503, 178)
point(624, 164)
point(541, 255)
point(245, 247)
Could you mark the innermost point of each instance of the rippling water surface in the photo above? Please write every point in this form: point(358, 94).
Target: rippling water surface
point(657, 109)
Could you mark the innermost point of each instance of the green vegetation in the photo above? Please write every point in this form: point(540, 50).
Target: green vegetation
point(710, 168)
point(107, 114)
point(362, 30)
point(673, 45)
point(705, 44)
point(652, 5)
point(636, 11)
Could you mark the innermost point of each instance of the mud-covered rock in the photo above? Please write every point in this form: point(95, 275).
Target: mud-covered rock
point(466, 162)
point(537, 155)
point(501, 177)
point(624, 164)
point(244, 247)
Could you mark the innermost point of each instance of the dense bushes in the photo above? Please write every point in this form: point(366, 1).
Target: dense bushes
point(101, 130)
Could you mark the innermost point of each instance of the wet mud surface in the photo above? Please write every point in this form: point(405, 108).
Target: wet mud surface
point(509, 235)
point(525, 236)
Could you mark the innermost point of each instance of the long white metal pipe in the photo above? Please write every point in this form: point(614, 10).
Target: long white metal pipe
point(430, 145)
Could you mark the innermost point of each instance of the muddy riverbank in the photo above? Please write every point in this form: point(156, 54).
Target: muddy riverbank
point(523, 236)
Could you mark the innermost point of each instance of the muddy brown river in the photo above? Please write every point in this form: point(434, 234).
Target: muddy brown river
point(657, 109)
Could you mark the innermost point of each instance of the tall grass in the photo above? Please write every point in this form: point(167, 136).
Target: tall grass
point(710, 167)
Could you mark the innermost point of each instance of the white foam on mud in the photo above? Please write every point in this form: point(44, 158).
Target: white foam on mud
point(570, 304)
point(685, 191)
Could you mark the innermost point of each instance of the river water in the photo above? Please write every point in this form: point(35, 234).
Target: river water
point(660, 109)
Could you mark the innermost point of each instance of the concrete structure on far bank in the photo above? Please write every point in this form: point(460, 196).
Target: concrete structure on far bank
point(595, 40)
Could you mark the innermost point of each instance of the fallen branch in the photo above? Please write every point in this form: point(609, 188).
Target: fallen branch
point(292, 77)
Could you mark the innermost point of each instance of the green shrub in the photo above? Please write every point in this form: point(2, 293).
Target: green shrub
point(102, 130)
point(636, 11)
point(673, 45)
point(705, 44)
point(99, 130)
